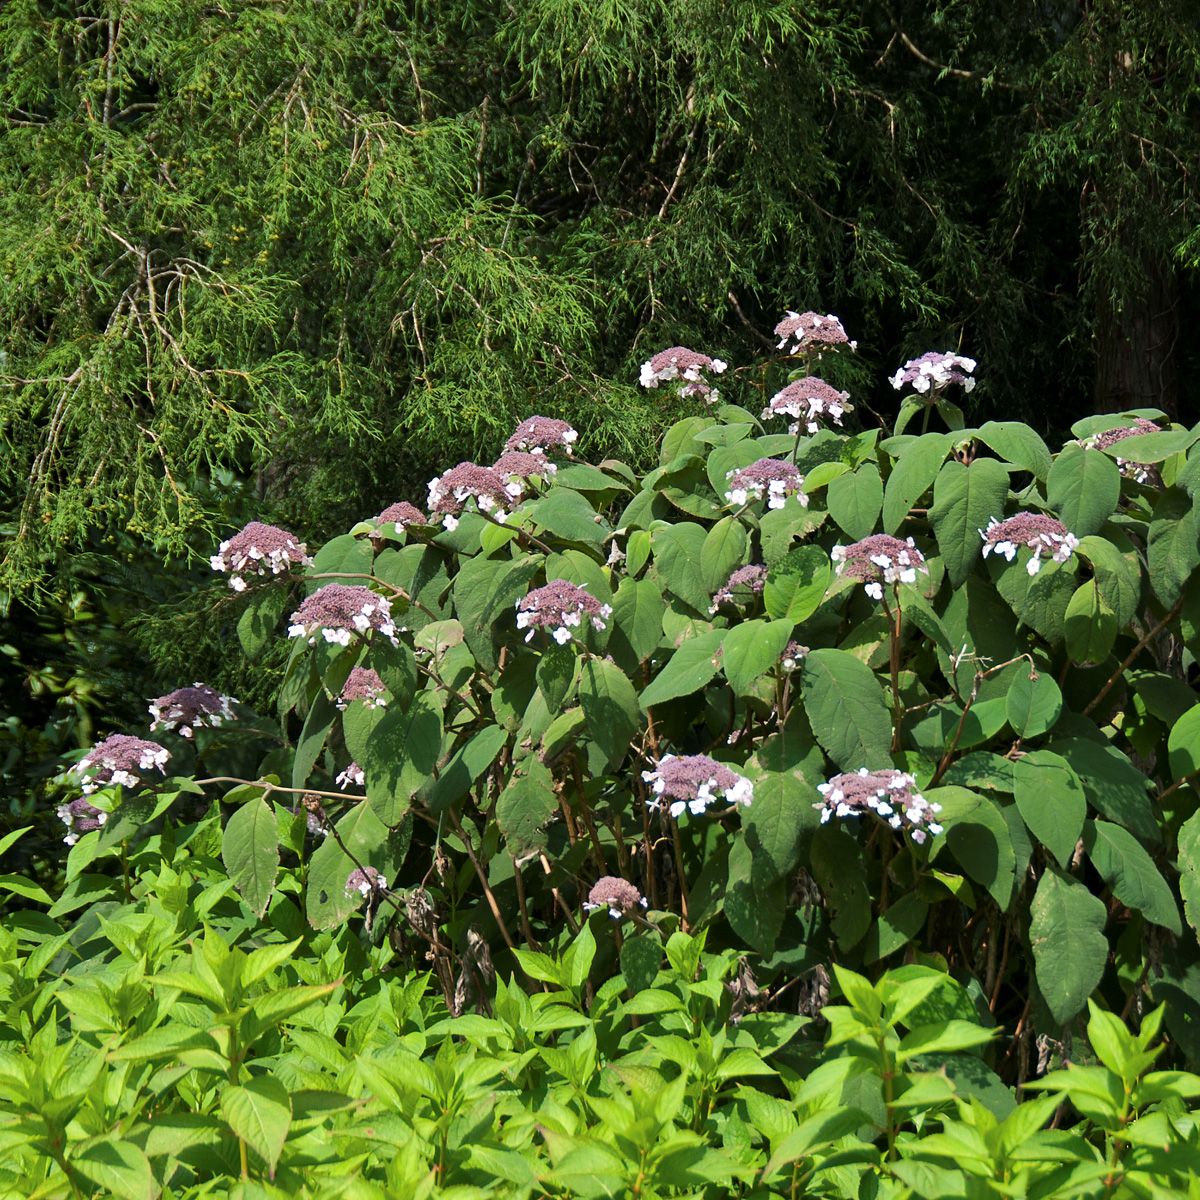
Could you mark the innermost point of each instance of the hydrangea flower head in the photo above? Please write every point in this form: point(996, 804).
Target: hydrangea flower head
point(934, 371)
point(518, 467)
point(809, 331)
point(258, 550)
point(877, 560)
point(80, 817)
point(1042, 534)
point(688, 365)
point(891, 795)
point(190, 708)
point(693, 782)
point(449, 493)
point(806, 400)
point(1141, 472)
point(401, 516)
point(769, 477)
point(365, 881)
point(560, 607)
point(120, 759)
point(752, 578)
point(618, 895)
point(363, 684)
point(337, 612)
point(540, 435)
point(352, 775)
point(793, 655)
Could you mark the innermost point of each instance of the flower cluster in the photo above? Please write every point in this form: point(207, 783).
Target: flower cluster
point(1042, 534)
point(314, 815)
point(693, 782)
point(1141, 472)
point(365, 881)
point(363, 684)
point(258, 550)
point(811, 331)
point(793, 655)
point(560, 607)
point(752, 579)
point(400, 517)
point(517, 467)
point(877, 560)
point(935, 370)
point(807, 399)
point(618, 895)
point(540, 435)
point(80, 817)
point(190, 708)
point(767, 477)
point(449, 493)
point(338, 612)
point(892, 795)
point(689, 365)
point(352, 775)
point(120, 759)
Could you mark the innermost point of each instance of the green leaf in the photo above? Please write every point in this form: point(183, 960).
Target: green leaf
point(1173, 552)
point(555, 674)
point(1155, 447)
point(466, 765)
point(1019, 444)
point(638, 608)
point(312, 737)
point(837, 866)
point(896, 927)
point(260, 1113)
point(779, 527)
point(1189, 869)
point(1033, 703)
point(368, 839)
point(610, 707)
point(754, 902)
point(1066, 932)
point(401, 753)
point(1041, 601)
point(677, 556)
point(118, 1168)
point(1131, 873)
point(723, 551)
point(784, 810)
point(1112, 784)
point(1117, 578)
point(943, 1037)
point(640, 959)
point(855, 501)
point(485, 589)
point(1090, 625)
point(751, 649)
point(566, 514)
point(1051, 801)
point(912, 476)
point(796, 584)
point(397, 666)
point(525, 805)
point(978, 836)
point(259, 622)
point(1084, 488)
point(847, 709)
point(965, 498)
point(1183, 744)
point(689, 669)
point(250, 852)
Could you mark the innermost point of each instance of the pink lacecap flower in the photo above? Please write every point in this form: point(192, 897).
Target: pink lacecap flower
point(364, 881)
point(806, 400)
point(401, 516)
point(690, 366)
point(618, 895)
point(540, 435)
point(769, 477)
point(558, 608)
point(693, 782)
point(258, 550)
point(449, 493)
point(120, 759)
point(1042, 534)
point(892, 795)
point(1141, 472)
point(752, 578)
point(877, 560)
point(812, 331)
point(190, 708)
point(518, 467)
point(338, 612)
point(80, 816)
point(363, 684)
point(935, 370)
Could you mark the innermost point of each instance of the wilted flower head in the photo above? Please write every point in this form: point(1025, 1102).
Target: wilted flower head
point(258, 550)
point(891, 795)
point(1141, 472)
point(689, 365)
point(80, 817)
point(935, 370)
point(877, 560)
point(559, 607)
point(365, 881)
point(518, 467)
point(449, 493)
point(353, 774)
point(793, 655)
point(618, 895)
point(338, 612)
point(752, 578)
point(189, 708)
point(768, 477)
point(314, 813)
point(120, 759)
point(363, 684)
point(694, 781)
point(1042, 534)
point(811, 331)
point(401, 516)
point(540, 435)
point(806, 400)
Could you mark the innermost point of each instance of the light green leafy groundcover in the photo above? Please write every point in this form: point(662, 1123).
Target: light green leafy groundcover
point(542, 664)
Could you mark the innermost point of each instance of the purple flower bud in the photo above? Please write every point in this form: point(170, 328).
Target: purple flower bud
point(891, 795)
point(558, 608)
point(812, 331)
point(540, 435)
point(877, 560)
point(120, 759)
point(1040, 533)
point(339, 612)
point(805, 401)
point(258, 550)
point(934, 371)
point(190, 708)
point(693, 782)
point(769, 477)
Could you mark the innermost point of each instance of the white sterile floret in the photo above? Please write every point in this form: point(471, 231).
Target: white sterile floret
point(934, 371)
point(353, 774)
